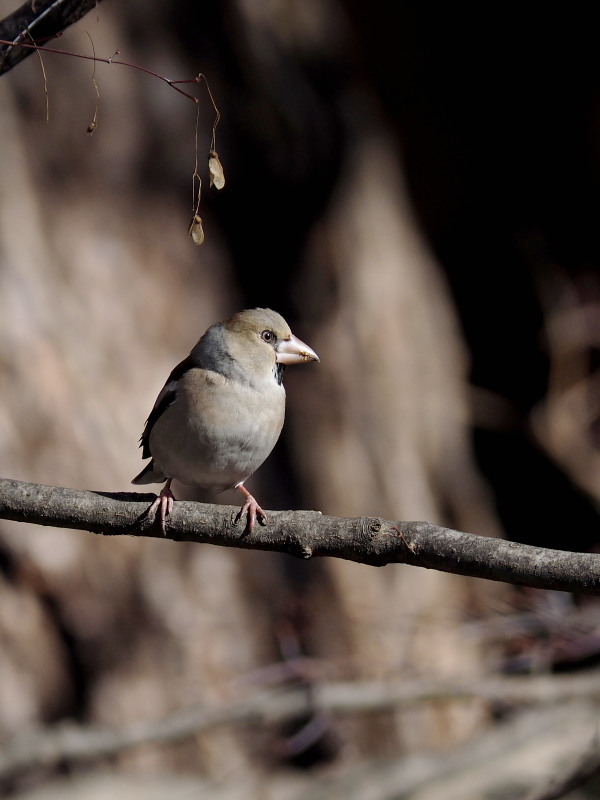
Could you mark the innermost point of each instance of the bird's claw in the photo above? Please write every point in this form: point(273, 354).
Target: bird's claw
point(164, 501)
point(252, 510)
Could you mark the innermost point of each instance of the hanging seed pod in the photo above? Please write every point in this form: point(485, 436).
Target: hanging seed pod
point(217, 176)
point(195, 230)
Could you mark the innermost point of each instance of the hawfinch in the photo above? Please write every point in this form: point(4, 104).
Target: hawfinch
point(221, 411)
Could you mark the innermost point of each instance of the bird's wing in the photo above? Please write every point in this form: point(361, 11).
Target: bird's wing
point(165, 398)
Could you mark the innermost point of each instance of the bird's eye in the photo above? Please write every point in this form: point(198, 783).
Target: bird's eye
point(267, 336)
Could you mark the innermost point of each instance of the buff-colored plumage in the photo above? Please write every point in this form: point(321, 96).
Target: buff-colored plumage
point(221, 410)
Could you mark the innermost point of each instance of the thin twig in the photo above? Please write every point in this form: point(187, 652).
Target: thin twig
point(94, 123)
point(44, 76)
point(196, 179)
point(111, 60)
point(199, 79)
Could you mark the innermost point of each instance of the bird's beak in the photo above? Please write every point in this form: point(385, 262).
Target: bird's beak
point(293, 351)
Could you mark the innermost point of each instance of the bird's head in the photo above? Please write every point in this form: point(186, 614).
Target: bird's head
point(262, 339)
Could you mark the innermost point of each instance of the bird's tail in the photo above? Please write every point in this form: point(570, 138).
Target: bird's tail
point(150, 474)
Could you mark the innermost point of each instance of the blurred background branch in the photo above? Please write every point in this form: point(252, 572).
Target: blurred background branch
point(70, 744)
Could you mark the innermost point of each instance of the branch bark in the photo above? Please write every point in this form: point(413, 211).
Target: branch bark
point(35, 22)
point(305, 534)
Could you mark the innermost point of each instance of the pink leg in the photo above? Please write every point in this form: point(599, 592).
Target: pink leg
point(165, 502)
point(251, 508)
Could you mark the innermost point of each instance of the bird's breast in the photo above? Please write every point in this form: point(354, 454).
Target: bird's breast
point(218, 431)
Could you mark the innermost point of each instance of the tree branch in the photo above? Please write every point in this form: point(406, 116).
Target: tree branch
point(304, 534)
point(35, 22)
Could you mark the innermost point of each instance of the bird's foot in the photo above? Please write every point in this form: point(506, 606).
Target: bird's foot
point(251, 509)
point(164, 501)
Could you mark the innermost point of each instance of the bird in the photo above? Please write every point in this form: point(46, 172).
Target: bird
point(221, 410)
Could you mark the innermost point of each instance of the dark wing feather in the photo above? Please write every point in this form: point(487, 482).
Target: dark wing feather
point(166, 398)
